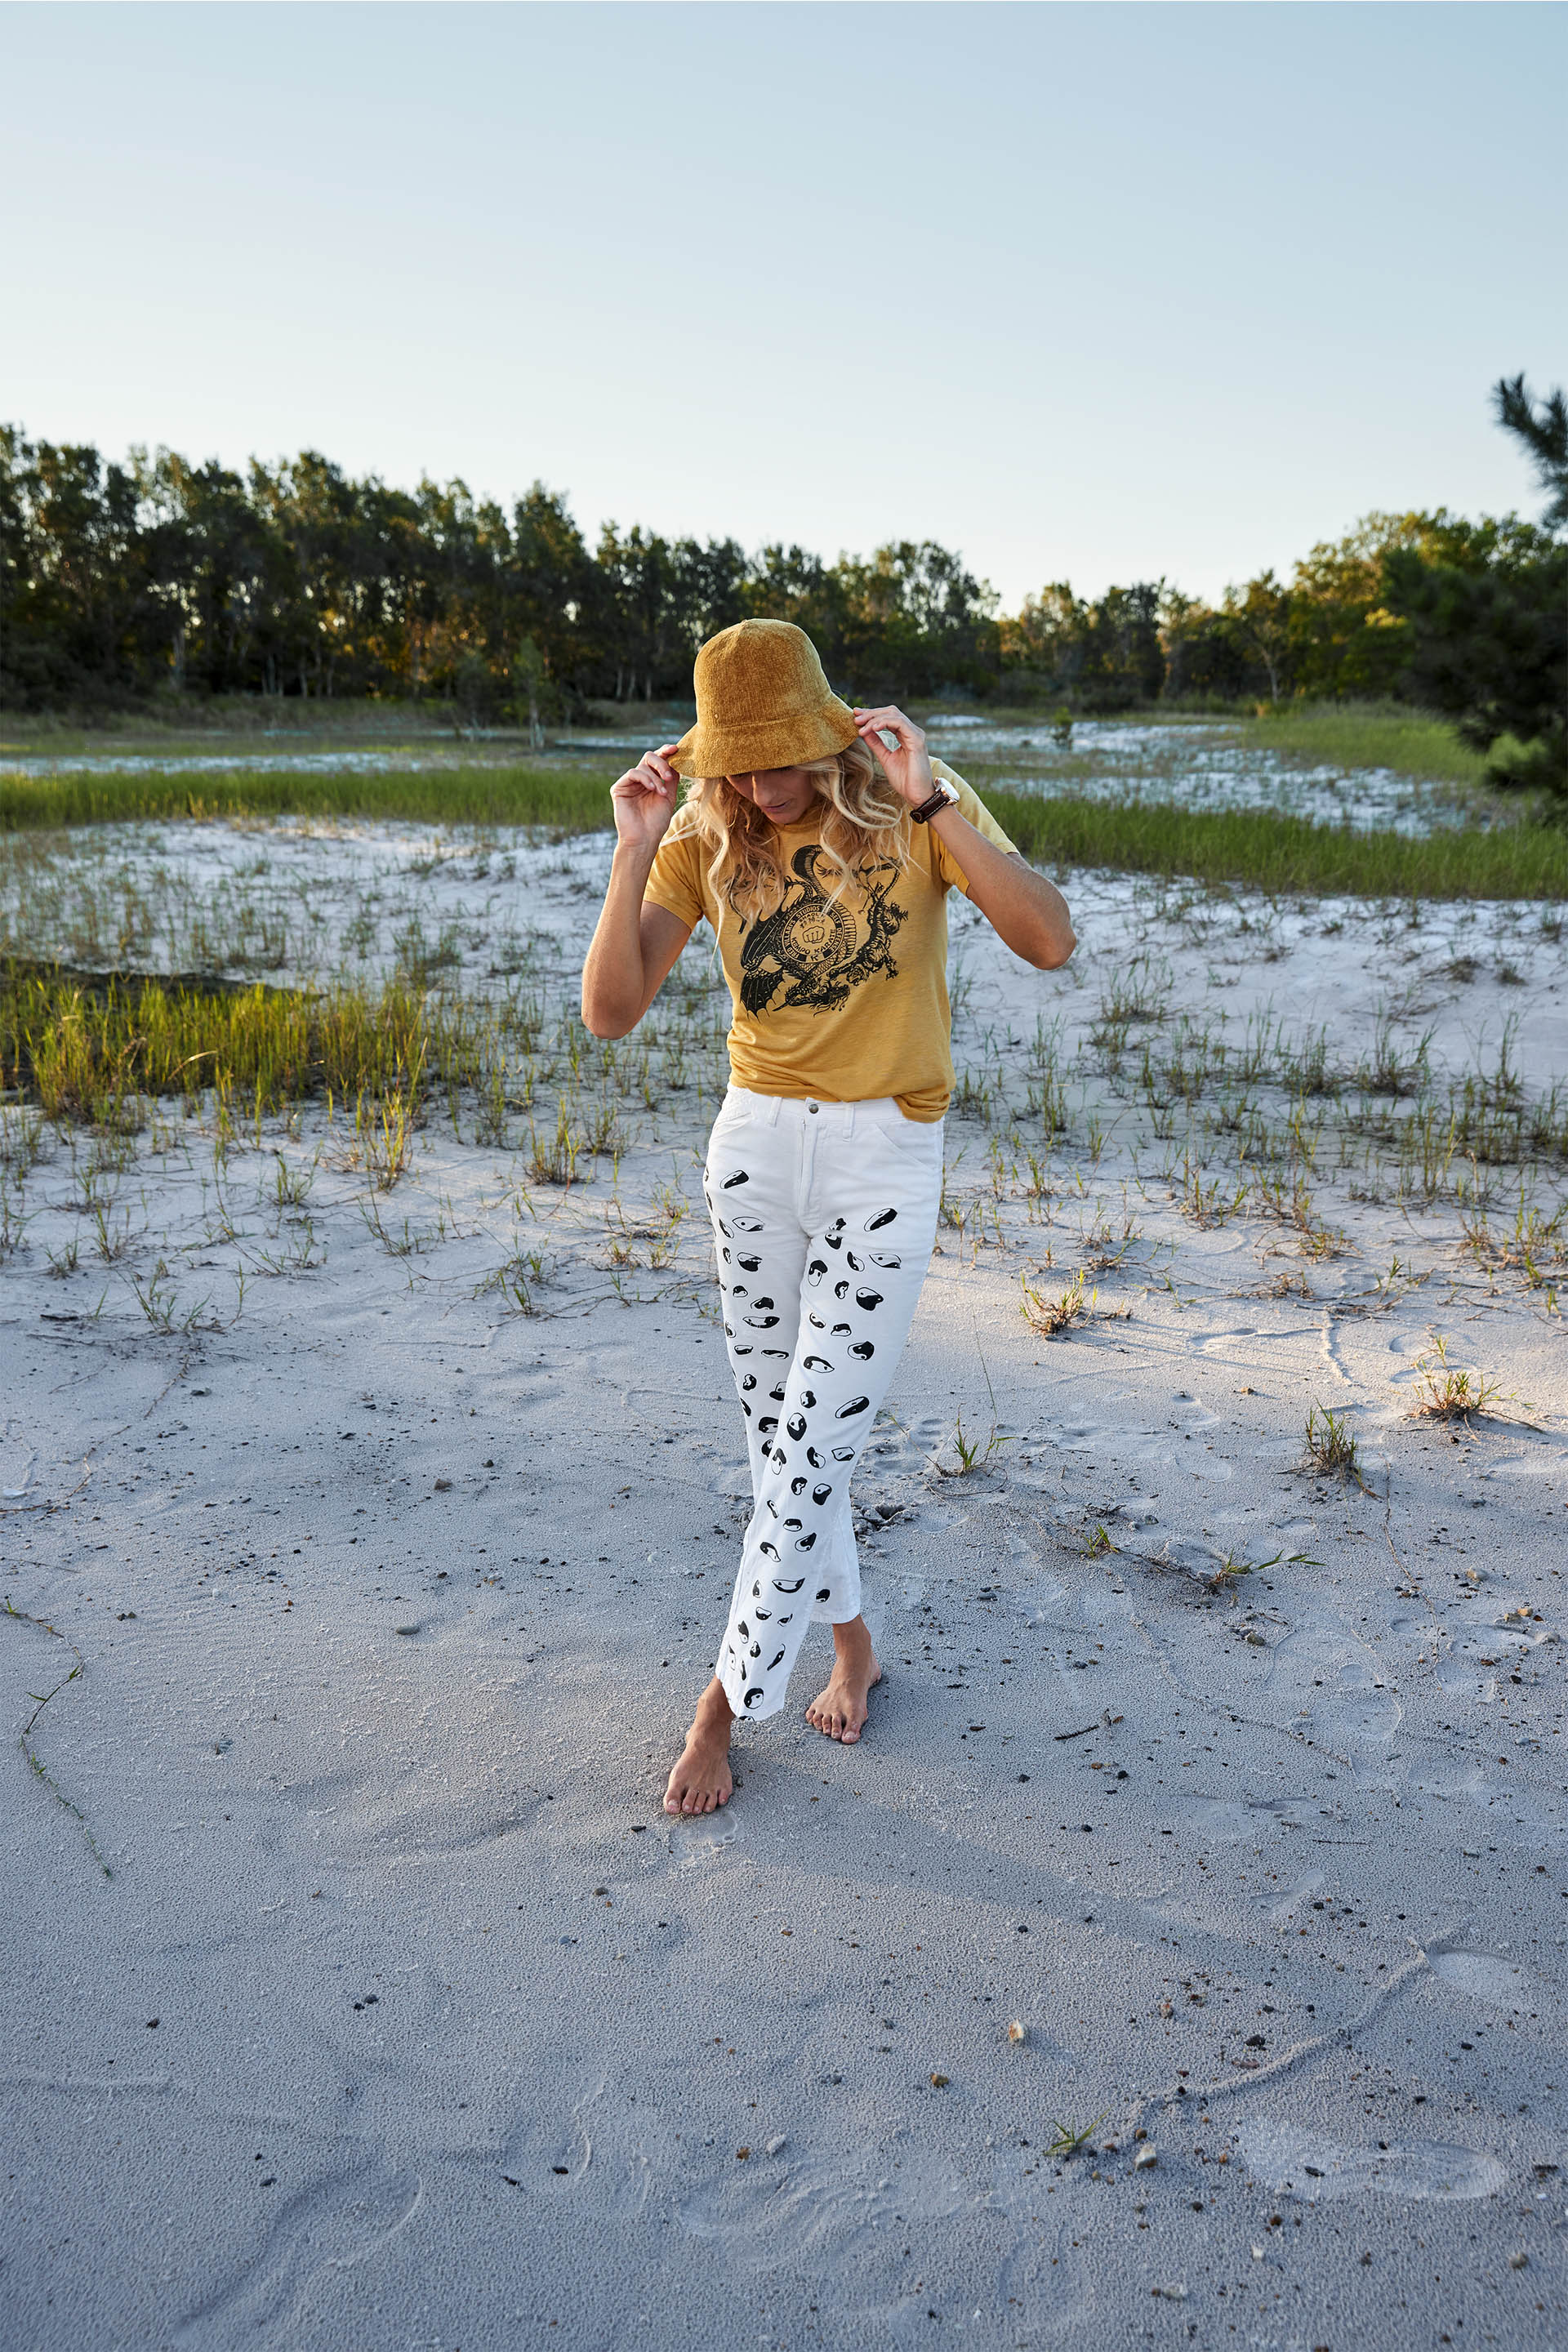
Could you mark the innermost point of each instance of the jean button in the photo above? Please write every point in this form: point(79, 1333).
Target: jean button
point(812, 1107)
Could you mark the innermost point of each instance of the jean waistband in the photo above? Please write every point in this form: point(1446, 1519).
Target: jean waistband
point(804, 1110)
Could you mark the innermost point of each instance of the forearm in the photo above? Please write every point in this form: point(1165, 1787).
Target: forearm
point(1027, 912)
point(614, 980)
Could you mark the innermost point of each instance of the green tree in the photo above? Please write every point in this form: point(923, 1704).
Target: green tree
point(1489, 625)
point(1544, 435)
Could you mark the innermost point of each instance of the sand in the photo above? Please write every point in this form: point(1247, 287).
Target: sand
point(369, 2000)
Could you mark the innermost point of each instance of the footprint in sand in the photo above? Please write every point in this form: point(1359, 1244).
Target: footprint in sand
point(539, 2154)
point(1227, 1820)
point(807, 2213)
point(1487, 1976)
point(606, 2157)
point(693, 1842)
point(1507, 1804)
point(334, 2224)
point(1325, 1682)
point(1287, 2159)
point(1286, 1906)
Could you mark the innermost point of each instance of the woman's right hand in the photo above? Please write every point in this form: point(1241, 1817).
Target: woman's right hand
point(644, 800)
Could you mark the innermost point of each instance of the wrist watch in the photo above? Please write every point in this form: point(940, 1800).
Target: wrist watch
point(943, 795)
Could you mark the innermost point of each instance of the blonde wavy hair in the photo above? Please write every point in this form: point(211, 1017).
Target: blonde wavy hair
point(863, 819)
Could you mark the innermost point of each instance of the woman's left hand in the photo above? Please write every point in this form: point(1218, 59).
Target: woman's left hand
point(908, 764)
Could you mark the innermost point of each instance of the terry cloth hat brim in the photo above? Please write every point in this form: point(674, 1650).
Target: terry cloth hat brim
point(785, 742)
point(762, 701)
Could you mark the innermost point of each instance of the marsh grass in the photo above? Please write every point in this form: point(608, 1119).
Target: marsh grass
point(515, 1282)
point(1263, 849)
point(1535, 1246)
point(552, 1158)
point(1105, 1249)
point(1211, 1205)
point(1368, 735)
point(89, 1047)
point(569, 800)
point(1051, 1316)
point(385, 1125)
point(1446, 1392)
point(1257, 847)
point(972, 1454)
point(1332, 1449)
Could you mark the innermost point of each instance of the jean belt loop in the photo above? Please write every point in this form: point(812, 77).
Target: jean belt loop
point(775, 1105)
point(850, 1110)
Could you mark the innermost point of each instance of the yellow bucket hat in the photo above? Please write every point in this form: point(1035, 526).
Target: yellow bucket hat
point(762, 701)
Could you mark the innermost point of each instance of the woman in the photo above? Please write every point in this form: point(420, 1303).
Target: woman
point(822, 856)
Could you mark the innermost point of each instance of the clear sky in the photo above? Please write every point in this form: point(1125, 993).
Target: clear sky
point(1097, 292)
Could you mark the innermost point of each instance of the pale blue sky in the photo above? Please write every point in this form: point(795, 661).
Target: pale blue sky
point(1097, 292)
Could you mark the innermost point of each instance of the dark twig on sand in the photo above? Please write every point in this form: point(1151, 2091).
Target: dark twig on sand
point(42, 1699)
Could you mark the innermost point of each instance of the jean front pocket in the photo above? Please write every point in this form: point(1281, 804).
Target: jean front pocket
point(905, 1134)
point(733, 1117)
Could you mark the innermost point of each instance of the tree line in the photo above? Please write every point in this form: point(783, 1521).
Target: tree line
point(158, 578)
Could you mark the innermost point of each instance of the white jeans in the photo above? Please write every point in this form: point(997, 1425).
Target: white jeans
point(824, 1214)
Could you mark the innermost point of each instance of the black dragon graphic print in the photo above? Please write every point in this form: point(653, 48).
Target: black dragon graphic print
point(818, 948)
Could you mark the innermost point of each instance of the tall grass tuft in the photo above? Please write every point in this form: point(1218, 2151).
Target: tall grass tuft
point(87, 1047)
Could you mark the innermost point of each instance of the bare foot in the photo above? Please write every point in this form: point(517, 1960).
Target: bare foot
point(840, 1712)
point(701, 1781)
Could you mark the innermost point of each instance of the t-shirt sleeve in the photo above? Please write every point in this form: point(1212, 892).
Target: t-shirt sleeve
point(675, 882)
point(970, 805)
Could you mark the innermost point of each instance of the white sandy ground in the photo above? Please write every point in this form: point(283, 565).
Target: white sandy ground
point(407, 2019)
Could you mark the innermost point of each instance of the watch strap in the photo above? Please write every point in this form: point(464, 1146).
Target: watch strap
point(944, 796)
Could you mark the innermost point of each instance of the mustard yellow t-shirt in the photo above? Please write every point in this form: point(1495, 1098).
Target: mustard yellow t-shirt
point(845, 999)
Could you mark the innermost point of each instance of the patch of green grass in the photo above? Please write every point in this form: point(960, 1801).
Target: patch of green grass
point(1266, 850)
point(88, 1046)
point(566, 799)
point(1331, 1448)
point(1257, 848)
point(1369, 735)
